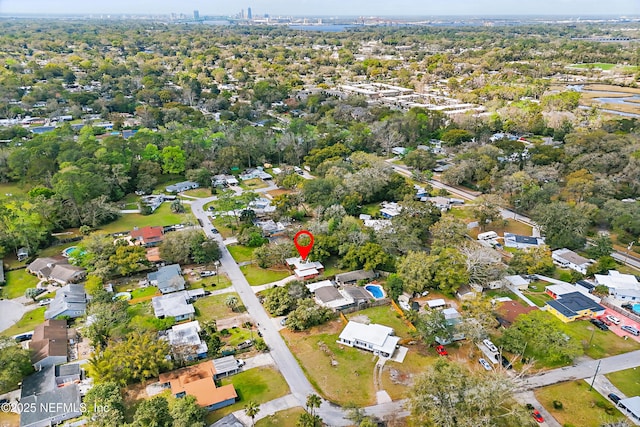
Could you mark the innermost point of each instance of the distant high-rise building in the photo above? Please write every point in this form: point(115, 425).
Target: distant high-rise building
point(196, 15)
point(248, 13)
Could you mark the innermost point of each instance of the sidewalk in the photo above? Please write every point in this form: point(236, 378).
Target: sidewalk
point(269, 408)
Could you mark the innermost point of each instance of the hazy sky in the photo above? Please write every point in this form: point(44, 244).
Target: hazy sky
point(330, 7)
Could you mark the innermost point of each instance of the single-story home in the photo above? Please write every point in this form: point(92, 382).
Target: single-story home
point(224, 180)
point(185, 337)
point(557, 290)
point(390, 210)
point(568, 259)
point(631, 406)
point(177, 304)
point(621, 286)
point(198, 381)
point(467, 292)
point(225, 367)
point(452, 317)
point(148, 236)
point(271, 228)
point(56, 269)
point(436, 303)
point(49, 343)
point(168, 279)
point(262, 206)
point(331, 297)
point(522, 242)
point(305, 270)
point(442, 203)
point(376, 338)
point(181, 186)
point(255, 173)
point(353, 277)
point(53, 401)
point(508, 311)
point(572, 306)
point(23, 253)
point(378, 224)
point(70, 300)
point(517, 282)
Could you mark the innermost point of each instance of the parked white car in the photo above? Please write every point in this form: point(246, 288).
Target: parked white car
point(485, 365)
point(491, 346)
point(613, 319)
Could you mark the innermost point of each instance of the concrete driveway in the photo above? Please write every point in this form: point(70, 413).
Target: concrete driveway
point(12, 311)
point(623, 321)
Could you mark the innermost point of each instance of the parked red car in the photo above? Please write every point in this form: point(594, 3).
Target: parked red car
point(441, 350)
point(537, 416)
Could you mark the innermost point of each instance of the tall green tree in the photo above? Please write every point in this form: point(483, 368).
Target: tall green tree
point(15, 362)
point(100, 397)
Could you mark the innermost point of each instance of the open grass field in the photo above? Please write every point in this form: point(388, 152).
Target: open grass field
point(384, 315)
point(286, 418)
point(198, 192)
point(223, 225)
point(538, 298)
point(220, 281)
point(349, 379)
point(253, 184)
point(213, 307)
point(241, 253)
point(18, 281)
point(258, 384)
point(600, 65)
point(397, 378)
point(29, 321)
point(580, 407)
point(628, 381)
point(7, 189)
point(260, 276)
point(162, 216)
point(603, 344)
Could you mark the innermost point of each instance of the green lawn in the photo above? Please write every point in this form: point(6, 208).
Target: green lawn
point(13, 188)
point(218, 282)
point(241, 253)
point(349, 379)
point(213, 307)
point(258, 384)
point(199, 192)
point(238, 335)
point(224, 226)
point(580, 407)
point(372, 209)
point(144, 292)
point(162, 216)
point(603, 344)
point(29, 321)
point(286, 418)
point(538, 299)
point(18, 281)
point(331, 267)
point(384, 315)
point(628, 381)
point(252, 184)
point(260, 276)
point(601, 65)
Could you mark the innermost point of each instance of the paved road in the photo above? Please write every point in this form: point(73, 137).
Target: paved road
point(298, 384)
point(584, 369)
point(12, 311)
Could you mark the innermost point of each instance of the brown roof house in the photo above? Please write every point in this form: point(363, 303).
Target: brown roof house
point(148, 236)
point(198, 381)
point(49, 343)
point(56, 269)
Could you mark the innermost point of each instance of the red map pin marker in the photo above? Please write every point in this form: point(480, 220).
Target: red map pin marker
point(303, 250)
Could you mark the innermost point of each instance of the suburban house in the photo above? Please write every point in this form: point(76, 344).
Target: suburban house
point(56, 269)
point(517, 282)
point(376, 338)
point(390, 209)
point(255, 173)
point(442, 203)
point(186, 339)
point(153, 201)
point(470, 291)
point(23, 253)
point(331, 297)
point(621, 286)
point(198, 381)
point(451, 317)
point(572, 306)
point(305, 270)
point(49, 343)
point(632, 406)
point(271, 228)
point(54, 398)
point(167, 279)
point(225, 367)
point(508, 311)
point(262, 206)
point(147, 236)
point(559, 289)
point(181, 186)
point(399, 151)
point(224, 180)
point(177, 305)
point(353, 277)
point(378, 224)
point(568, 259)
point(70, 301)
point(522, 242)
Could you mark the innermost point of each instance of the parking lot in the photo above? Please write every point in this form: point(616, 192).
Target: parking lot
point(623, 321)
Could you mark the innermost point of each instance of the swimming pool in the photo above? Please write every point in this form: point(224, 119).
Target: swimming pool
point(375, 290)
point(67, 252)
point(636, 308)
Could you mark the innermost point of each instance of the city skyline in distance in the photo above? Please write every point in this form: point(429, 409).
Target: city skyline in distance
point(329, 7)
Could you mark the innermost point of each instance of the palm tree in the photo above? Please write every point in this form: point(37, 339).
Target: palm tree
point(252, 409)
point(231, 302)
point(313, 401)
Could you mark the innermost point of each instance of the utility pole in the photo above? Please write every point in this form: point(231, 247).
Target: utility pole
point(595, 375)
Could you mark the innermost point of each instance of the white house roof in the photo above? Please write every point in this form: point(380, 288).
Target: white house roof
point(306, 272)
point(517, 280)
point(299, 264)
point(632, 404)
point(432, 303)
point(570, 256)
point(172, 305)
point(450, 313)
point(313, 286)
point(377, 224)
point(561, 289)
point(187, 334)
point(617, 280)
point(381, 337)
